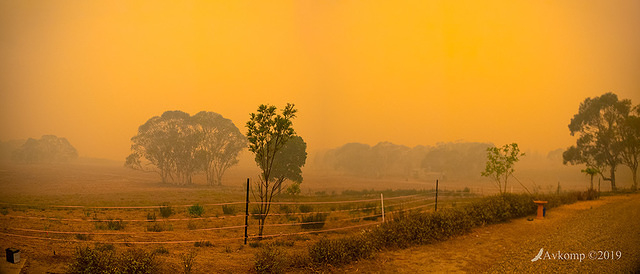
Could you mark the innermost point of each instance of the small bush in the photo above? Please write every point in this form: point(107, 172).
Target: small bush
point(188, 261)
point(341, 251)
point(286, 209)
point(87, 260)
point(159, 227)
point(165, 210)
point(83, 237)
point(161, 250)
point(313, 221)
point(203, 244)
point(105, 247)
point(196, 210)
point(4, 211)
point(137, 261)
point(306, 208)
point(151, 217)
point(270, 259)
point(280, 242)
point(228, 209)
point(110, 225)
point(293, 189)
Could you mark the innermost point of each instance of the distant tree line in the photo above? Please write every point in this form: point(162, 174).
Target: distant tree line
point(47, 149)
point(176, 146)
point(608, 132)
point(455, 160)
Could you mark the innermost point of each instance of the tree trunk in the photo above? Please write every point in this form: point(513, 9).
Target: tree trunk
point(591, 181)
point(613, 178)
point(634, 173)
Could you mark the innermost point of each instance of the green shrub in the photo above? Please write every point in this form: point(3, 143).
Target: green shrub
point(270, 259)
point(165, 210)
point(151, 217)
point(228, 209)
point(196, 210)
point(341, 251)
point(105, 247)
point(313, 221)
point(87, 260)
point(305, 208)
point(137, 261)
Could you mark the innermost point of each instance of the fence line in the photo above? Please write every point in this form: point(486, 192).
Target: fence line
point(215, 204)
point(217, 217)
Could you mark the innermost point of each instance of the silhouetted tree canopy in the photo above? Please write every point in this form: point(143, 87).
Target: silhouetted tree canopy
point(600, 124)
point(48, 149)
point(177, 145)
point(456, 160)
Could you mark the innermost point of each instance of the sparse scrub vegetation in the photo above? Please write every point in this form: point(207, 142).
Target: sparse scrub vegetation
point(203, 244)
point(196, 210)
point(188, 261)
point(110, 225)
point(270, 259)
point(83, 237)
point(88, 260)
point(229, 210)
point(305, 208)
point(165, 210)
point(424, 228)
point(159, 227)
point(313, 221)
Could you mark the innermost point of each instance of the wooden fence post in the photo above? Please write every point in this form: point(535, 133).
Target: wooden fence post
point(382, 206)
point(436, 195)
point(246, 214)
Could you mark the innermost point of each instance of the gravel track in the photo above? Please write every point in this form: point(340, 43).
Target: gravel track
point(594, 232)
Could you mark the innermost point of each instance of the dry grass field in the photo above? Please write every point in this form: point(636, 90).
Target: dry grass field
point(50, 210)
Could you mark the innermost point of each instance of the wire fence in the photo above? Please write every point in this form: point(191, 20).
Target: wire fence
point(287, 218)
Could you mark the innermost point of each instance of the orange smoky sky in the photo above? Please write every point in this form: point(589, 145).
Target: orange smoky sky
point(408, 72)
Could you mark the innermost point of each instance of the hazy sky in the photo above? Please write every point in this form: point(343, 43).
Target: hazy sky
point(408, 72)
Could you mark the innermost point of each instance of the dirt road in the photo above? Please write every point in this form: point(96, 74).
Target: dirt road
point(573, 238)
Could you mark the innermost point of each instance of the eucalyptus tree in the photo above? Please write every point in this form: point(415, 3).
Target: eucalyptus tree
point(177, 146)
point(221, 143)
point(47, 149)
point(600, 122)
point(631, 144)
point(288, 162)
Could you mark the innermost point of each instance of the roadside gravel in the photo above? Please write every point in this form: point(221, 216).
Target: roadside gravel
point(597, 233)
